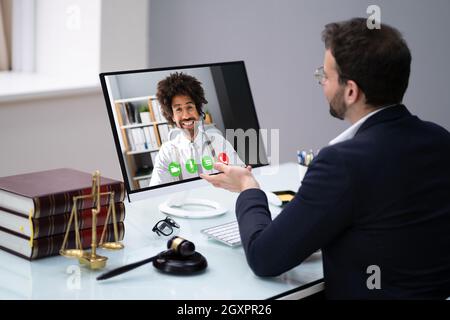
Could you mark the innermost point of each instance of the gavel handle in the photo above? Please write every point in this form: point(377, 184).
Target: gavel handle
point(128, 267)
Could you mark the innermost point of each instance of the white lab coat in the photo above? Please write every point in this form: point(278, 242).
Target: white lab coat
point(180, 149)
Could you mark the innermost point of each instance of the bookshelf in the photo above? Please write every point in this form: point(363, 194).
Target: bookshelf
point(142, 135)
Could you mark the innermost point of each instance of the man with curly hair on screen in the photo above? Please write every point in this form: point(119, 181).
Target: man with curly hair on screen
point(191, 149)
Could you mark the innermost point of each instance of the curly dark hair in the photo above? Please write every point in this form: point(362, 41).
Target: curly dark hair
point(179, 83)
point(378, 60)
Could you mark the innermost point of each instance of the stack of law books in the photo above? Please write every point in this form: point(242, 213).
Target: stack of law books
point(35, 209)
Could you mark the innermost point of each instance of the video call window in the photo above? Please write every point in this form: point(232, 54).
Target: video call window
point(172, 124)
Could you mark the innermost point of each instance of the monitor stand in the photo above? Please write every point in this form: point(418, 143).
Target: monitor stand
point(181, 205)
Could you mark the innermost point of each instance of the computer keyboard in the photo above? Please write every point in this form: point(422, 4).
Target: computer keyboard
point(227, 233)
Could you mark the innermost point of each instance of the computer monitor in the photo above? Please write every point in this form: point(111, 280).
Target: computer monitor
point(171, 124)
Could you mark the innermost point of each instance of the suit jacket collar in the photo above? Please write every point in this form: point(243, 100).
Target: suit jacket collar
point(389, 114)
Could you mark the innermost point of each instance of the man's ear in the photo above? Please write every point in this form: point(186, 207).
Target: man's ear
point(352, 92)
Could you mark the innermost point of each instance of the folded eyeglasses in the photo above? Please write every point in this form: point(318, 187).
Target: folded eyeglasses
point(165, 227)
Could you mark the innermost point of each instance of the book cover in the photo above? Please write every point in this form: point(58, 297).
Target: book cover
point(56, 224)
point(148, 139)
point(21, 246)
point(158, 113)
point(131, 143)
point(130, 113)
point(163, 132)
point(51, 192)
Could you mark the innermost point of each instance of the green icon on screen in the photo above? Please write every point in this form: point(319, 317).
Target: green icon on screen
point(191, 166)
point(174, 169)
point(207, 162)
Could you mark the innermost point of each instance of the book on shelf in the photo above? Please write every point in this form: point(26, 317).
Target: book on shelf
point(21, 246)
point(131, 143)
point(121, 110)
point(130, 112)
point(50, 225)
point(138, 139)
point(153, 140)
point(156, 111)
point(163, 132)
point(148, 138)
point(51, 192)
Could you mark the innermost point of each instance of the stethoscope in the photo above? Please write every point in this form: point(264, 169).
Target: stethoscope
point(206, 144)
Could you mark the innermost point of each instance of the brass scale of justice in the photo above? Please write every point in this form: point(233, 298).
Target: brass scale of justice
point(92, 259)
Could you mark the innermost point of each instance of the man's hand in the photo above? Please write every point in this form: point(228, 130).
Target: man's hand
point(234, 179)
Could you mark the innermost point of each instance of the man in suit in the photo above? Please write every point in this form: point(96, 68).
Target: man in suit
point(377, 199)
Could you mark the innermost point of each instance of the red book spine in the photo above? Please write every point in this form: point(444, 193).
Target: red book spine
point(56, 224)
point(50, 246)
point(55, 204)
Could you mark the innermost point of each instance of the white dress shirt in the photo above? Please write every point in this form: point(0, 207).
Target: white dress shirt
point(350, 132)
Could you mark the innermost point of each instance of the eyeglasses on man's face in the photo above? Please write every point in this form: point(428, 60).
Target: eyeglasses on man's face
point(320, 75)
point(165, 227)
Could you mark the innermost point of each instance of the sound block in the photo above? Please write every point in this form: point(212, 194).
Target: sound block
point(174, 264)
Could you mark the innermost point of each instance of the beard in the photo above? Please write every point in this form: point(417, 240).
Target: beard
point(190, 130)
point(338, 107)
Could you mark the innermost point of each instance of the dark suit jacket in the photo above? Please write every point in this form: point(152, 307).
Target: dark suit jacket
point(380, 199)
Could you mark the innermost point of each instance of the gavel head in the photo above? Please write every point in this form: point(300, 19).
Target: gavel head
point(181, 246)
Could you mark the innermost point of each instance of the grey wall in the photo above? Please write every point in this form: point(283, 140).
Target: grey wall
point(124, 34)
point(279, 40)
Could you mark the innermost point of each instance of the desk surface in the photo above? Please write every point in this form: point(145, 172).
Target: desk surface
point(227, 276)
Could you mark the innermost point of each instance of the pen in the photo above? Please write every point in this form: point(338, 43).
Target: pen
point(304, 157)
point(299, 157)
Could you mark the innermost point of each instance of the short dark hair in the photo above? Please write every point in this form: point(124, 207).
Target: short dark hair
point(378, 60)
point(179, 83)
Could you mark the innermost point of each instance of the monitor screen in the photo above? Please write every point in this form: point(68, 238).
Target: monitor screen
point(172, 124)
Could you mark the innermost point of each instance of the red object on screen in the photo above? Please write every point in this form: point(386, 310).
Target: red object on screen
point(223, 157)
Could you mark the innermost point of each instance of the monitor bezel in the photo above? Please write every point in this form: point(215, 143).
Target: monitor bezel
point(171, 186)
